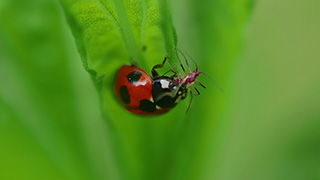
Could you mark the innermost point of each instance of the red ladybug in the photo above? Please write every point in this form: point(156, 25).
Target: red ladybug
point(141, 94)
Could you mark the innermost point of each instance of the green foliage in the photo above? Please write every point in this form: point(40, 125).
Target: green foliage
point(108, 38)
point(42, 119)
point(51, 108)
point(53, 127)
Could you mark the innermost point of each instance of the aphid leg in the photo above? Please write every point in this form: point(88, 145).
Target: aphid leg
point(198, 82)
point(181, 63)
point(154, 72)
point(191, 94)
point(196, 90)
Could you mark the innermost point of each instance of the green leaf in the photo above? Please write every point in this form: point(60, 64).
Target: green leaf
point(110, 34)
point(266, 127)
point(51, 102)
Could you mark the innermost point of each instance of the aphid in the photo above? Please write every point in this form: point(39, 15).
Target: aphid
point(141, 94)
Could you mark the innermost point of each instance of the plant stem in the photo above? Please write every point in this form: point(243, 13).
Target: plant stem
point(170, 36)
point(129, 39)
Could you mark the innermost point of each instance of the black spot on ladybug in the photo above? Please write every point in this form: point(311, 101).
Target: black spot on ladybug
point(147, 106)
point(167, 102)
point(134, 77)
point(124, 94)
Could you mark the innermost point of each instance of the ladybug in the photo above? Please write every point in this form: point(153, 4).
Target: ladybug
point(142, 94)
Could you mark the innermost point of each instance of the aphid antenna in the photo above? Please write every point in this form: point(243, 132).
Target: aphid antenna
point(181, 63)
point(194, 62)
point(185, 58)
point(192, 95)
point(218, 86)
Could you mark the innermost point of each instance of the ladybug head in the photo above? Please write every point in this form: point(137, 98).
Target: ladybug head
point(167, 92)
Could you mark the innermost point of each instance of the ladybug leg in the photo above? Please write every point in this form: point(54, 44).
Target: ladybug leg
point(154, 72)
point(173, 76)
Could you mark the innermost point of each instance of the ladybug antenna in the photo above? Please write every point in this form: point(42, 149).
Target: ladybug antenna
point(218, 86)
point(194, 62)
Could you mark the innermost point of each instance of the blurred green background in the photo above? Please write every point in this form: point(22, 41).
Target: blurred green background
point(265, 54)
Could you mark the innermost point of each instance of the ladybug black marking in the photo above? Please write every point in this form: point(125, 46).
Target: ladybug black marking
point(167, 102)
point(134, 77)
point(147, 106)
point(124, 94)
